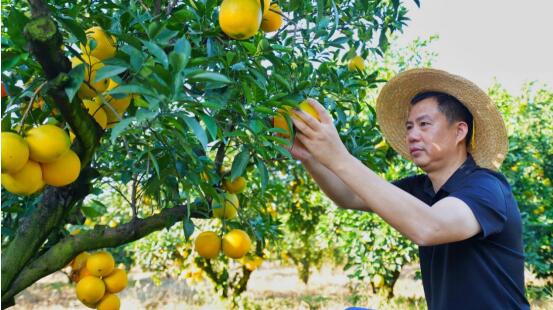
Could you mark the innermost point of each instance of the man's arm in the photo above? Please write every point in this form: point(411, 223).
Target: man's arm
point(449, 220)
point(334, 187)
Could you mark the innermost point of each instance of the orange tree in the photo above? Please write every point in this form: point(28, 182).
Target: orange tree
point(529, 168)
point(201, 101)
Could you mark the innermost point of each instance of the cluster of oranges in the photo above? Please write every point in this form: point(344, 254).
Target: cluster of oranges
point(235, 244)
point(100, 47)
point(241, 19)
point(98, 281)
point(42, 158)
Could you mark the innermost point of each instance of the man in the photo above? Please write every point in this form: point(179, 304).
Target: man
point(461, 212)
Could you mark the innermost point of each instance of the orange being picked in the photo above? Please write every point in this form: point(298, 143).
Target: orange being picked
point(279, 121)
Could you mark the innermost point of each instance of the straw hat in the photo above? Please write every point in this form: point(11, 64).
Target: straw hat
point(489, 145)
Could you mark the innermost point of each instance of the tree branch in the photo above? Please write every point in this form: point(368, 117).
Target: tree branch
point(61, 254)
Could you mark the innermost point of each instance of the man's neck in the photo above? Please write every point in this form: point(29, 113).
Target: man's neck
point(440, 176)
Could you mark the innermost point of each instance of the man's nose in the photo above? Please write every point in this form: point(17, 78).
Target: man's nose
point(413, 135)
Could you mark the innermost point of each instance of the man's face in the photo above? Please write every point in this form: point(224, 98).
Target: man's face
point(430, 139)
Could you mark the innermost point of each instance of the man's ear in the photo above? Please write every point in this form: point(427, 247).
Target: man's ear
point(462, 131)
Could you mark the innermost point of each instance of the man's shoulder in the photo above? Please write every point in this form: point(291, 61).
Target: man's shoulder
point(483, 177)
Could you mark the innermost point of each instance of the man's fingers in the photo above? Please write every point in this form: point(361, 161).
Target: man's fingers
point(301, 125)
point(323, 113)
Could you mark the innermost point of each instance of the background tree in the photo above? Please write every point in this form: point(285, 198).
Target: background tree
point(201, 102)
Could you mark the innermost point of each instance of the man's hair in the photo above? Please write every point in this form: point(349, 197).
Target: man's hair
point(451, 107)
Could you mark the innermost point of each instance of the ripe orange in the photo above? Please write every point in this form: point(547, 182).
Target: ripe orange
point(272, 20)
point(356, 63)
point(47, 143)
point(229, 210)
point(15, 152)
point(109, 302)
point(63, 171)
point(208, 244)
point(240, 19)
point(236, 187)
point(26, 181)
point(119, 104)
point(105, 45)
point(90, 289)
point(100, 264)
point(116, 281)
point(279, 121)
point(80, 261)
point(92, 65)
point(95, 109)
point(236, 243)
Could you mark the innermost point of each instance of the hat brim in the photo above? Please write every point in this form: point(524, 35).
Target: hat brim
point(490, 143)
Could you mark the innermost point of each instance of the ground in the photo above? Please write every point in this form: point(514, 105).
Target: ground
point(271, 287)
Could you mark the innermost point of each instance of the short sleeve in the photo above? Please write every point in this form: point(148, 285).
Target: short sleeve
point(407, 184)
point(486, 198)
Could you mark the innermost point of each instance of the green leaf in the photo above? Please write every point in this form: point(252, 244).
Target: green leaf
point(211, 125)
point(188, 227)
point(73, 27)
point(262, 169)
point(137, 59)
point(130, 89)
point(177, 61)
point(120, 127)
point(94, 209)
point(239, 164)
point(155, 163)
point(193, 124)
point(157, 52)
point(77, 77)
point(182, 46)
point(16, 21)
point(210, 77)
point(108, 71)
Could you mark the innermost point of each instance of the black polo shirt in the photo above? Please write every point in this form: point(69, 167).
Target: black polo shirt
point(487, 270)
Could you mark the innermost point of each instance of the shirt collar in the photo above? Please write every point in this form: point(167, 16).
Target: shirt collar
point(454, 180)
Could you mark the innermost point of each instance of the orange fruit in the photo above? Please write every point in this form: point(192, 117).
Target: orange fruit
point(15, 152)
point(63, 171)
point(208, 244)
point(80, 261)
point(272, 20)
point(90, 289)
point(240, 19)
point(26, 181)
point(356, 63)
point(279, 121)
point(47, 143)
point(116, 281)
point(234, 187)
point(236, 243)
point(92, 65)
point(229, 210)
point(95, 109)
point(105, 44)
point(109, 302)
point(100, 264)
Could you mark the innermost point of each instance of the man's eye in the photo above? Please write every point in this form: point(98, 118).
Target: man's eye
point(425, 123)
